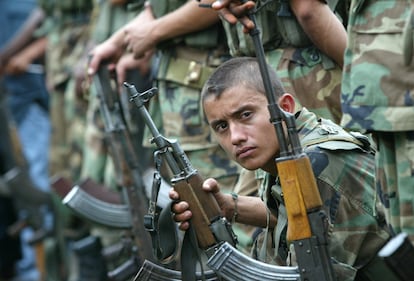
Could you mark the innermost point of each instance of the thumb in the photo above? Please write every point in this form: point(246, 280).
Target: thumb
point(211, 185)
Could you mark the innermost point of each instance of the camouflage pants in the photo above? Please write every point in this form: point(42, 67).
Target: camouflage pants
point(67, 117)
point(68, 122)
point(395, 170)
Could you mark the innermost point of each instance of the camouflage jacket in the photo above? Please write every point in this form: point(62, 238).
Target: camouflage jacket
point(378, 77)
point(344, 171)
point(67, 30)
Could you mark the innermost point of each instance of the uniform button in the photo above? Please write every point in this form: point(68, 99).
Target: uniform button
point(314, 56)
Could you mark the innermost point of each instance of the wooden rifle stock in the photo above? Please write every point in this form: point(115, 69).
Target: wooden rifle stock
point(203, 206)
point(301, 194)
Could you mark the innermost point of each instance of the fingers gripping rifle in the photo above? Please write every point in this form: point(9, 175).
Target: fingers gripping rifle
point(306, 219)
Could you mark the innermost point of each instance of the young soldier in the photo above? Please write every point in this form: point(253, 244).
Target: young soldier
point(235, 106)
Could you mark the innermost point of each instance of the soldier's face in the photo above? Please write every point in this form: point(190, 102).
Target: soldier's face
point(240, 120)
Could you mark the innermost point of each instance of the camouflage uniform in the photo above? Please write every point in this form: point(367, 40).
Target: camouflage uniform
point(184, 65)
point(378, 97)
point(97, 164)
point(344, 171)
point(67, 31)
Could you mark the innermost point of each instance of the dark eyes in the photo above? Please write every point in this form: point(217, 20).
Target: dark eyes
point(241, 117)
point(219, 128)
point(245, 114)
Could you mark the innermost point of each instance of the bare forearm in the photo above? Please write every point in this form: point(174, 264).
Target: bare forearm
point(322, 26)
point(252, 211)
point(24, 35)
point(35, 50)
point(187, 19)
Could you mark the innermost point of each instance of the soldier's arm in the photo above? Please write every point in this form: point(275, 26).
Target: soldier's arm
point(24, 35)
point(322, 26)
point(114, 47)
point(19, 62)
point(187, 19)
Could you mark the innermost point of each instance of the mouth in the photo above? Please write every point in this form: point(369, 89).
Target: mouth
point(244, 152)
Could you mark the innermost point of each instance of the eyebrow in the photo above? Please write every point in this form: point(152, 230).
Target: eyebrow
point(237, 112)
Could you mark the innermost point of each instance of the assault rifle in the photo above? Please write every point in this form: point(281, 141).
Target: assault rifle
point(123, 154)
point(306, 218)
point(127, 169)
point(96, 203)
point(129, 175)
point(128, 216)
point(93, 202)
point(213, 233)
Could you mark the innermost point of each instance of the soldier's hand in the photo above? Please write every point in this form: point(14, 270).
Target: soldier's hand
point(128, 62)
point(110, 51)
point(233, 11)
point(181, 211)
point(140, 34)
point(17, 65)
point(181, 208)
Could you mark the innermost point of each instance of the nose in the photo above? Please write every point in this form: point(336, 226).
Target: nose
point(237, 133)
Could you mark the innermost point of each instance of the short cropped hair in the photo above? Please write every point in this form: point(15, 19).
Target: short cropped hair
point(240, 71)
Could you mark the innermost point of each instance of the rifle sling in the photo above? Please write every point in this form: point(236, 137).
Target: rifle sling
point(190, 255)
point(163, 231)
point(161, 226)
point(159, 222)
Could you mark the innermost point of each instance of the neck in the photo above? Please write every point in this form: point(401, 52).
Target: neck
point(270, 167)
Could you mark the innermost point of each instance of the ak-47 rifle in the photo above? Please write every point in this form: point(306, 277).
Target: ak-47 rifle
point(213, 232)
point(124, 157)
point(306, 218)
point(94, 202)
point(129, 215)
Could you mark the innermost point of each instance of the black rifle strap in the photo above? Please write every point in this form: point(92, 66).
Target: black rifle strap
point(190, 255)
point(159, 222)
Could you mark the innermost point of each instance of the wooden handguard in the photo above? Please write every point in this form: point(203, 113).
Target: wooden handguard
point(203, 206)
point(300, 193)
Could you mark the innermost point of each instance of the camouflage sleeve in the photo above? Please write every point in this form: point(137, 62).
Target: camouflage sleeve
point(346, 182)
point(377, 85)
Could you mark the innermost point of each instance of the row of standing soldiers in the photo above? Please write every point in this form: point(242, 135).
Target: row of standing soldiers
point(178, 45)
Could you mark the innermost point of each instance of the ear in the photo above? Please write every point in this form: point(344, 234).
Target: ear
point(287, 103)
